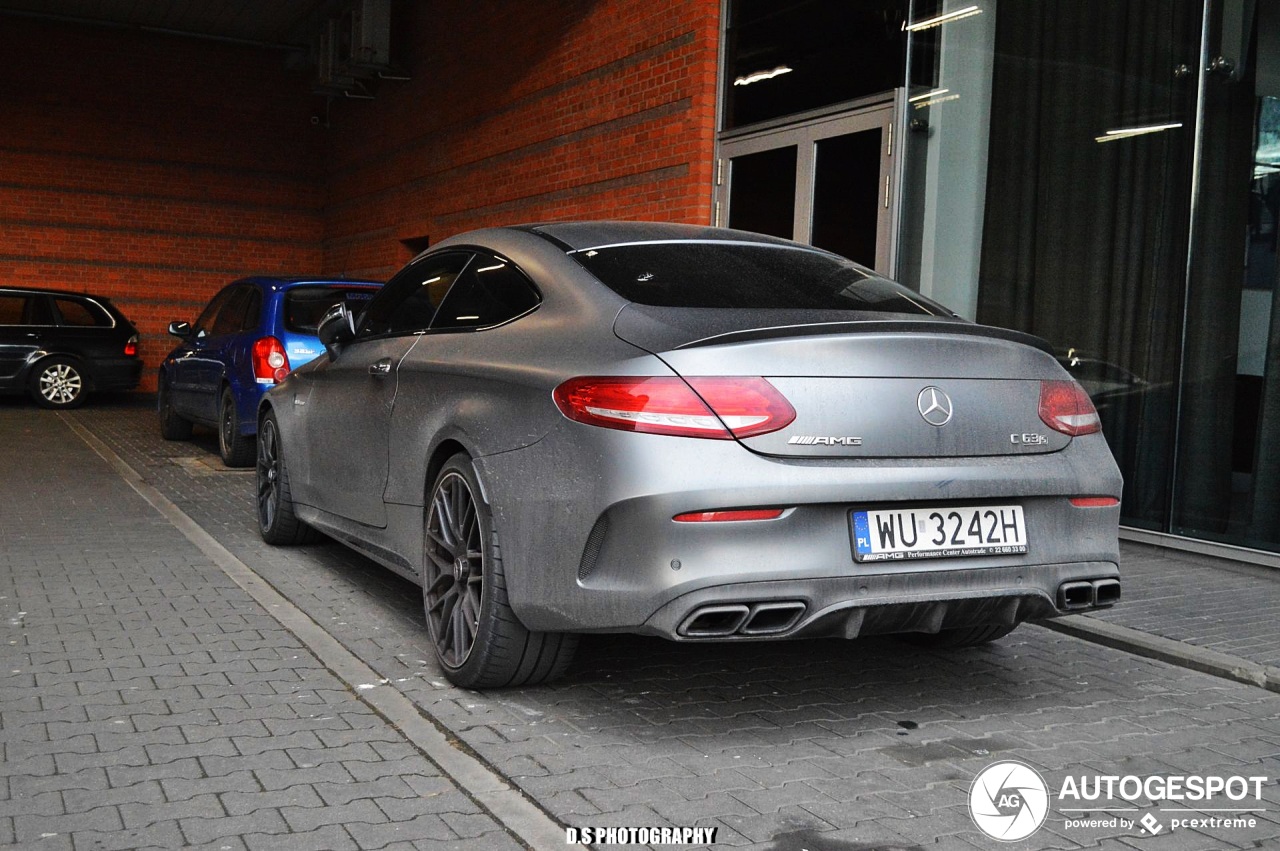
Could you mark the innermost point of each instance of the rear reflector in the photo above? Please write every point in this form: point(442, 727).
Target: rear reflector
point(1094, 501)
point(131, 346)
point(270, 363)
point(669, 405)
point(722, 516)
point(1066, 407)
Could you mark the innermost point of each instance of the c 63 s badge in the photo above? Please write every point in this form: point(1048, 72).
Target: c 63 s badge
point(812, 440)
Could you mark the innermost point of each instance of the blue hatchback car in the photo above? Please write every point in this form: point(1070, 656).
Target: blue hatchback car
point(245, 342)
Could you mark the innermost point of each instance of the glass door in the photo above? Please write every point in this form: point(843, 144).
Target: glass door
point(828, 183)
point(1227, 486)
point(1051, 150)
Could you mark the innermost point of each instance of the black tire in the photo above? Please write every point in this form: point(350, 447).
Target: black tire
point(477, 638)
point(236, 449)
point(278, 522)
point(970, 636)
point(172, 426)
point(59, 383)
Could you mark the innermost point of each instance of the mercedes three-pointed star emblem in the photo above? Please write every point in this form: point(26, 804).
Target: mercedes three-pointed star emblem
point(934, 406)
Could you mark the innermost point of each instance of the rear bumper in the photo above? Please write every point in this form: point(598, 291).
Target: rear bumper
point(852, 606)
point(116, 374)
point(597, 549)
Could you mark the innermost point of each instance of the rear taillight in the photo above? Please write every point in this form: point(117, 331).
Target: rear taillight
point(270, 363)
point(1065, 407)
point(669, 405)
point(131, 346)
point(729, 516)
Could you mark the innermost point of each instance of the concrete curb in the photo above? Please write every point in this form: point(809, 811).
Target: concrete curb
point(1169, 650)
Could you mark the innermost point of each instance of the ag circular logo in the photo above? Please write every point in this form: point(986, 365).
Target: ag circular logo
point(1008, 801)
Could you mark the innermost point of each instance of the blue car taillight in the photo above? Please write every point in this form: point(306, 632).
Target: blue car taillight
point(270, 363)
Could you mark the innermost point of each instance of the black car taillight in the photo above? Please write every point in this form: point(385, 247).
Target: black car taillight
point(131, 347)
point(669, 405)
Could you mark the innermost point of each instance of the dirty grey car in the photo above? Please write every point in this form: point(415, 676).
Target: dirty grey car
point(694, 433)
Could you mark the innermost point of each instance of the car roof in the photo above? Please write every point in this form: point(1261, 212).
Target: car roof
point(283, 281)
point(577, 236)
point(51, 291)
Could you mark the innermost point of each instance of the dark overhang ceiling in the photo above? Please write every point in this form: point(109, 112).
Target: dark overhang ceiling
point(269, 23)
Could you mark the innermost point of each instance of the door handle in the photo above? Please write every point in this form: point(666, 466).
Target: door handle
point(381, 368)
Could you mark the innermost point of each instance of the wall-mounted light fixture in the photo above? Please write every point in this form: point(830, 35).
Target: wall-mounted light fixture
point(1130, 132)
point(757, 76)
point(966, 12)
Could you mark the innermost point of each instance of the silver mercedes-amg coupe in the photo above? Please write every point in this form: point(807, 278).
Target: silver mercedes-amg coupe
point(690, 432)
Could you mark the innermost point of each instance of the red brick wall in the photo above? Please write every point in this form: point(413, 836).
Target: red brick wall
point(518, 112)
point(152, 169)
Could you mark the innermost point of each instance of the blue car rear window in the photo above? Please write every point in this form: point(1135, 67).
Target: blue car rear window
point(304, 306)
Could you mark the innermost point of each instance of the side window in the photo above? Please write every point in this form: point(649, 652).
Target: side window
point(18, 309)
point(13, 309)
point(252, 310)
point(81, 314)
point(231, 317)
point(204, 324)
point(409, 300)
point(490, 292)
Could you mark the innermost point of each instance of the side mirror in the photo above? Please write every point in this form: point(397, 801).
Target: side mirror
point(337, 326)
point(180, 329)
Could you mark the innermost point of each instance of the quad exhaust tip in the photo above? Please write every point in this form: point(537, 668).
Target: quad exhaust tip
point(1095, 594)
point(772, 617)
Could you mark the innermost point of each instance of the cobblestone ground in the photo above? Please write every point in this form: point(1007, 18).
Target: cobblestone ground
point(147, 701)
point(817, 744)
point(1204, 601)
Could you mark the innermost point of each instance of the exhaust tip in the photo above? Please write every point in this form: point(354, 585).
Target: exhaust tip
point(1106, 592)
point(714, 621)
point(772, 618)
point(1073, 596)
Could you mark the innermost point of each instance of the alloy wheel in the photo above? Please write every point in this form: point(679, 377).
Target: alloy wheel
point(60, 383)
point(455, 565)
point(268, 474)
point(226, 430)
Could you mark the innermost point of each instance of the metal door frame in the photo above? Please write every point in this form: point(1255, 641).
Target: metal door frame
point(805, 137)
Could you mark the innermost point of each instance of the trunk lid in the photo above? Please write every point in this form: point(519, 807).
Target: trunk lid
point(916, 388)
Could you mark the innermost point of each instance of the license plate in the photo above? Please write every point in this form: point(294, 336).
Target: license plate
point(910, 533)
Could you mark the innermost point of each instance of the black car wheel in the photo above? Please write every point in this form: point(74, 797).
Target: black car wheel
point(277, 521)
point(478, 639)
point(236, 448)
point(172, 426)
point(58, 382)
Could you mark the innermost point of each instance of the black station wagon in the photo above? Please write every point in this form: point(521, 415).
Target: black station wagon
point(59, 346)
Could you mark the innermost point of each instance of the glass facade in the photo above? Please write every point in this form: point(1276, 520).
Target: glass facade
point(1106, 176)
point(784, 58)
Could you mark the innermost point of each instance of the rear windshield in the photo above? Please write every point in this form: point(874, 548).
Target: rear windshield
point(747, 275)
point(304, 306)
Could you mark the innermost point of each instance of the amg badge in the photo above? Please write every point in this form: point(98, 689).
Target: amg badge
point(810, 440)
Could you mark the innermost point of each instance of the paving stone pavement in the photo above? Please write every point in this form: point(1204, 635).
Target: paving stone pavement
point(147, 701)
point(817, 744)
point(1209, 602)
